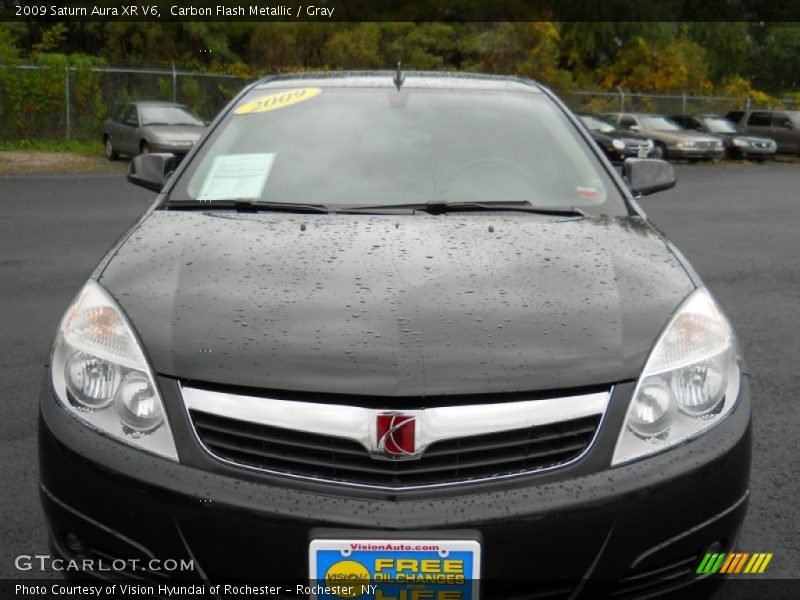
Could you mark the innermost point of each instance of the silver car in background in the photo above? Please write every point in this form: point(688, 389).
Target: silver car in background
point(142, 127)
point(671, 140)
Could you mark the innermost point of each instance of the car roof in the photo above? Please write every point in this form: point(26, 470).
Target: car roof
point(413, 79)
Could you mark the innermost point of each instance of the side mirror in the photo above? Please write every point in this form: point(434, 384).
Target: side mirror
point(787, 124)
point(152, 171)
point(648, 175)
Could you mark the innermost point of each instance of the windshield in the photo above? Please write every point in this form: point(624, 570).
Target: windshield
point(720, 125)
point(168, 115)
point(658, 123)
point(370, 146)
point(596, 124)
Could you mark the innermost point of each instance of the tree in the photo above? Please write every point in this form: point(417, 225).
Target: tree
point(9, 52)
point(356, 47)
point(675, 66)
point(773, 63)
point(525, 49)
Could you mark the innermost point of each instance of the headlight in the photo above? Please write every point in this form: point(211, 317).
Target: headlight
point(618, 144)
point(648, 144)
point(688, 143)
point(101, 376)
point(689, 384)
point(739, 142)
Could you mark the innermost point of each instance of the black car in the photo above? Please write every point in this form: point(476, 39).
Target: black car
point(617, 144)
point(738, 144)
point(396, 329)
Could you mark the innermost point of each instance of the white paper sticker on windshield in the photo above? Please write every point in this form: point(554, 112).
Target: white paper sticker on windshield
point(237, 176)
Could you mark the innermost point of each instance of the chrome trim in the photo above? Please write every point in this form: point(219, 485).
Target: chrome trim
point(359, 424)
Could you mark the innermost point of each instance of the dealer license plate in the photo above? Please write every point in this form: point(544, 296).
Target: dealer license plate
point(643, 152)
point(387, 569)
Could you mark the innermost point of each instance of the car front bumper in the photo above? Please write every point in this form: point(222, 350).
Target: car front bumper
point(753, 152)
point(615, 155)
point(638, 527)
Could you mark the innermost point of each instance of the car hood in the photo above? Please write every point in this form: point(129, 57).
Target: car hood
point(178, 133)
point(752, 139)
point(396, 306)
point(678, 136)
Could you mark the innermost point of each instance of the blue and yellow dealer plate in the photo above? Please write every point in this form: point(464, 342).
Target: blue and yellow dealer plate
point(394, 569)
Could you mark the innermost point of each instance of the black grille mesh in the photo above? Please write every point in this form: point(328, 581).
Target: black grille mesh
point(339, 459)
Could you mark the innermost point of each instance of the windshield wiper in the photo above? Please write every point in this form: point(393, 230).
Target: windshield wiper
point(244, 205)
point(433, 208)
point(438, 208)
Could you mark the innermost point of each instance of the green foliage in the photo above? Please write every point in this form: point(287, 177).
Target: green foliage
point(32, 101)
point(92, 148)
point(726, 45)
point(737, 59)
point(525, 49)
point(774, 61)
point(423, 46)
point(357, 47)
point(9, 53)
point(52, 39)
point(287, 46)
point(675, 66)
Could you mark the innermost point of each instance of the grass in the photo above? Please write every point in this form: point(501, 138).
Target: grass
point(92, 149)
point(55, 156)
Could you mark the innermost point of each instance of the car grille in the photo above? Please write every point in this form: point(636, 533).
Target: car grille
point(342, 460)
point(708, 145)
point(763, 145)
point(633, 144)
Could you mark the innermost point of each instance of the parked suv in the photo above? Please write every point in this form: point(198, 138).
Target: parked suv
point(783, 126)
point(737, 143)
point(671, 140)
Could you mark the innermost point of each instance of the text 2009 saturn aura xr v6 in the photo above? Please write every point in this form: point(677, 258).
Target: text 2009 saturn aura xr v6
point(399, 328)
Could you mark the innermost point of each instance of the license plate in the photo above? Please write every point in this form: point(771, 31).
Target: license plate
point(643, 152)
point(386, 569)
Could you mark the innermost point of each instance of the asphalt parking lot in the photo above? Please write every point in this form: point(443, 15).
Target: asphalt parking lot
point(738, 225)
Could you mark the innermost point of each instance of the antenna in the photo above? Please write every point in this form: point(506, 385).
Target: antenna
point(399, 76)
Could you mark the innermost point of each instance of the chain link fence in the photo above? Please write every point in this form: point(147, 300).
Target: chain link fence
point(666, 104)
point(68, 102)
point(46, 102)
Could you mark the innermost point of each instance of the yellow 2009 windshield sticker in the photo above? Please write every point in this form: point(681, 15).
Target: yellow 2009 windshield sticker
point(277, 100)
